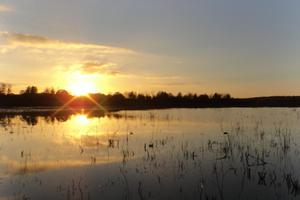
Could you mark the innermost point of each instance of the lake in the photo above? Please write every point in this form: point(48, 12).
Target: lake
point(230, 153)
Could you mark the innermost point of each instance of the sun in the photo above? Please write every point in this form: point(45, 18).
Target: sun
point(82, 86)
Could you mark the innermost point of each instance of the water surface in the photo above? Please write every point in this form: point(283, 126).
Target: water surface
point(232, 153)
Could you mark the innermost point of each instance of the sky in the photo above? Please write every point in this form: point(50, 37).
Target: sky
point(245, 48)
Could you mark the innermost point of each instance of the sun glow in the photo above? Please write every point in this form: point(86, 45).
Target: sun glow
point(81, 120)
point(81, 85)
point(82, 88)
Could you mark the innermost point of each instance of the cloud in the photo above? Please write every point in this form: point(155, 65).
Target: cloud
point(99, 67)
point(4, 8)
point(34, 59)
point(42, 53)
point(26, 39)
point(33, 41)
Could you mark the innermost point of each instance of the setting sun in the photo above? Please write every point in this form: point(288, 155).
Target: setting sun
point(82, 88)
point(81, 85)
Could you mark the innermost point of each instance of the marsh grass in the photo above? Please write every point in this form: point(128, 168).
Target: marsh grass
point(245, 159)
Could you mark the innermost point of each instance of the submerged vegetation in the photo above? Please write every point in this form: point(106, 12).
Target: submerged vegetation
point(131, 100)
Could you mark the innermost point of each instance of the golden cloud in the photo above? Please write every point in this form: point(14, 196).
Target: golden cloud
point(64, 56)
point(26, 40)
point(47, 60)
point(99, 67)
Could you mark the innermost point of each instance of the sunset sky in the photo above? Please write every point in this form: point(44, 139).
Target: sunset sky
point(245, 48)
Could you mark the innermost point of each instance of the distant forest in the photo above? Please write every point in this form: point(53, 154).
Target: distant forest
point(31, 97)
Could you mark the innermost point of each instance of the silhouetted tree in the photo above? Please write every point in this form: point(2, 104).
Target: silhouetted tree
point(140, 97)
point(52, 91)
point(131, 95)
point(49, 91)
point(132, 100)
point(216, 96)
point(226, 96)
point(31, 90)
point(62, 92)
point(203, 97)
point(179, 95)
point(3, 88)
point(9, 89)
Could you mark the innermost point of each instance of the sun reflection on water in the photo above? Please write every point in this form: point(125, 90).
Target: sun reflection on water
point(81, 120)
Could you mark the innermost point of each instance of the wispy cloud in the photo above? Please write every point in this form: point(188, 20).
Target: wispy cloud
point(63, 55)
point(4, 8)
point(99, 67)
point(34, 41)
point(58, 63)
point(26, 39)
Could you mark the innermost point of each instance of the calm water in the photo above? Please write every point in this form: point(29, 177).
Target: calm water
point(154, 154)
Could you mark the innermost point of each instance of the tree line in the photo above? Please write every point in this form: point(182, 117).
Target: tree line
point(31, 97)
